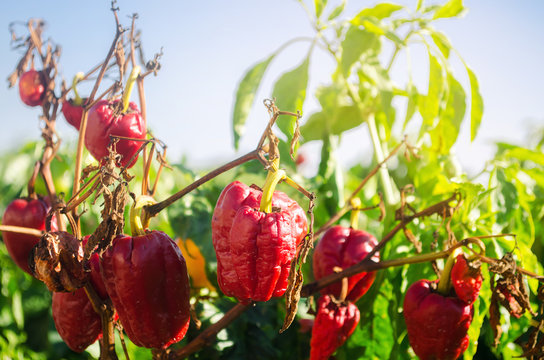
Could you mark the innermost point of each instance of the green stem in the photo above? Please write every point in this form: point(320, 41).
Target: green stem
point(355, 210)
point(130, 85)
point(77, 78)
point(444, 285)
point(272, 179)
point(138, 223)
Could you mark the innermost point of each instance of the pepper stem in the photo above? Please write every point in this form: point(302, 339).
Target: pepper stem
point(355, 210)
point(272, 179)
point(138, 219)
point(130, 85)
point(444, 285)
point(77, 78)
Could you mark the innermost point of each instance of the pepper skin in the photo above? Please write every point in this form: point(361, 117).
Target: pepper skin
point(254, 249)
point(146, 278)
point(102, 122)
point(437, 325)
point(72, 113)
point(32, 87)
point(30, 213)
point(75, 319)
point(466, 280)
point(333, 325)
point(343, 247)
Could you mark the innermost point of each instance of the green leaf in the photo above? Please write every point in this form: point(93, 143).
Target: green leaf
point(476, 104)
point(411, 107)
point(245, 96)
point(419, 5)
point(337, 10)
point(380, 11)
point(356, 43)
point(450, 9)
point(442, 42)
point(429, 105)
point(319, 6)
point(290, 93)
point(330, 172)
point(446, 131)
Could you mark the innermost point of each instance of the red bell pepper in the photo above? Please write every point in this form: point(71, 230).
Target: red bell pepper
point(333, 324)
point(344, 247)
point(466, 280)
point(146, 278)
point(437, 325)
point(254, 249)
point(75, 319)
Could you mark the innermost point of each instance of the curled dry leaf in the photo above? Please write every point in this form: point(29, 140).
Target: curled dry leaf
point(57, 260)
point(532, 341)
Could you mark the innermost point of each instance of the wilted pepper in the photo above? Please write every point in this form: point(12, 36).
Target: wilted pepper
point(255, 235)
point(342, 247)
point(146, 278)
point(333, 324)
point(466, 279)
point(76, 321)
point(437, 321)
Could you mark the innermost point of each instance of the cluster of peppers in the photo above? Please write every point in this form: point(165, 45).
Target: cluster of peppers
point(256, 234)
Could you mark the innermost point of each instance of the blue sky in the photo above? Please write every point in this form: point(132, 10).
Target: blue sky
point(209, 45)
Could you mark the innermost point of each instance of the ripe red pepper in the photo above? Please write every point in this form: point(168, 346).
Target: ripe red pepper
point(334, 323)
point(146, 278)
point(75, 319)
point(32, 87)
point(437, 325)
point(466, 280)
point(103, 122)
point(72, 113)
point(30, 213)
point(344, 247)
point(254, 249)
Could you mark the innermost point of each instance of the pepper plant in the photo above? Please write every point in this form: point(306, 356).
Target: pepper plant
point(398, 242)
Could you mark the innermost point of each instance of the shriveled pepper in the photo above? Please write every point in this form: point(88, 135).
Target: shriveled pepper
point(333, 324)
point(343, 247)
point(254, 248)
point(76, 321)
point(466, 279)
point(437, 321)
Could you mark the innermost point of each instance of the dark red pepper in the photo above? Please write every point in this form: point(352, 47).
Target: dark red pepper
point(30, 213)
point(146, 278)
point(75, 319)
point(437, 325)
point(32, 87)
point(466, 279)
point(72, 113)
point(103, 122)
point(254, 249)
point(343, 247)
point(333, 324)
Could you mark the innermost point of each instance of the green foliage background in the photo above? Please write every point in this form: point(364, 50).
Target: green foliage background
point(507, 197)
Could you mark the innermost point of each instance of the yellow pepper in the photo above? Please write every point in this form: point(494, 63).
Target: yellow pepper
point(195, 263)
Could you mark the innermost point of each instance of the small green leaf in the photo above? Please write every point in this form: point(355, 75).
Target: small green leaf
point(442, 42)
point(337, 10)
point(319, 6)
point(429, 105)
point(245, 96)
point(411, 107)
point(450, 9)
point(356, 43)
point(290, 93)
point(419, 5)
point(476, 104)
point(380, 11)
point(444, 135)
